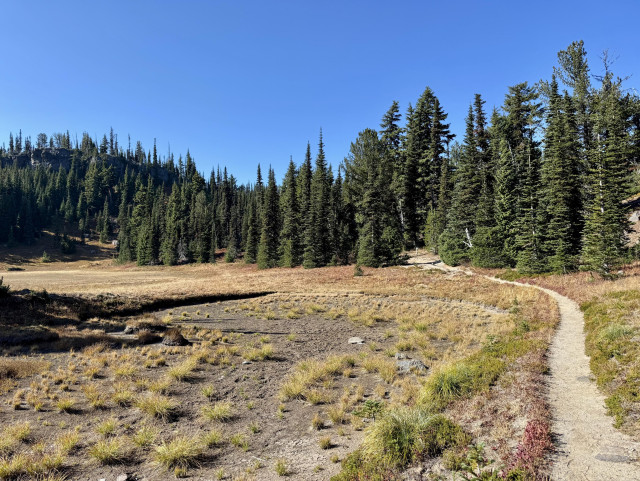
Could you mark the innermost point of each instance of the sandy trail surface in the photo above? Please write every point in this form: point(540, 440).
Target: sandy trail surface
point(588, 447)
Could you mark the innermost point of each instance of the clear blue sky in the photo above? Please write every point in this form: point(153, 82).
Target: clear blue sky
point(242, 82)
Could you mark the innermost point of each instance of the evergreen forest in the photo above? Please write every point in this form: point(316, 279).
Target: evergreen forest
point(539, 184)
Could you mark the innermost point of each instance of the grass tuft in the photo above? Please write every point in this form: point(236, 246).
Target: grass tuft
point(180, 453)
point(221, 411)
point(157, 405)
point(110, 451)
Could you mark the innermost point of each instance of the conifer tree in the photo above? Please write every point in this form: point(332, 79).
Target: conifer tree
point(317, 233)
point(144, 252)
point(253, 234)
point(391, 135)
point(573, 71)
point(606, 225)
point(484, 165)
point(560, 193)
point(303, 185)
point(270, 235)
point(456, 240)
point(124, 242)
point(505, 209)
point(171, 238)
point(379, 239)
point(290, 245)
point(339, 220)
point(105, 227)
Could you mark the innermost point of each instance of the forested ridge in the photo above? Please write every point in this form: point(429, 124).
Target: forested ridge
point(538, 184)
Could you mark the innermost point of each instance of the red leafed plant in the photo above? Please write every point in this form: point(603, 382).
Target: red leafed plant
point(534, 445)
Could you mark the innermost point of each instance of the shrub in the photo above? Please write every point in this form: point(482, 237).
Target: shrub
point(67, 246)
point(535, 444)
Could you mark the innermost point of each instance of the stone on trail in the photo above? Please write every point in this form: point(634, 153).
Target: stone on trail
point(356, 340)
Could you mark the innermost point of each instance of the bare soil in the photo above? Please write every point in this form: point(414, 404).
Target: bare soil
point(437, 318)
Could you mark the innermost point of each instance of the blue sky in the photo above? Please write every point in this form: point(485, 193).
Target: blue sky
point(242, 82)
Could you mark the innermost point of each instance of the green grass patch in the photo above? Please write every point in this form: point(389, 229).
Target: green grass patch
point(399, 438)
point(611, 326)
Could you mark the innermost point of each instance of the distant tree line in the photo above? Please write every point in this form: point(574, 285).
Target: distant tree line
point(539, 186)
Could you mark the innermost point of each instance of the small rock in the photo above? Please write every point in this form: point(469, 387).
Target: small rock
point(613, 458)
point(409, 365)
point(124, 477)
point(356, 340)
point(247, 362)
point(399, 356)
point(130, 329)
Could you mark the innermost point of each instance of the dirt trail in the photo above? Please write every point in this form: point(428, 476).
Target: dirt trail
point(589, 448)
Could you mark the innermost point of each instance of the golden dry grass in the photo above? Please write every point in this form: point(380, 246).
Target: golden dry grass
point(431, 316)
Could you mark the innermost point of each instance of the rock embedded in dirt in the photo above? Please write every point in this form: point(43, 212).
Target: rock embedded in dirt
point(124, 477)
point(356, 340)
point(173, 337)
point(130, 329)
point(399, 356)
point(409, 365)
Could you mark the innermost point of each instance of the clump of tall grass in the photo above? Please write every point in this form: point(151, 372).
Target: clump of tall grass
point(181, 452)
point(399, 436)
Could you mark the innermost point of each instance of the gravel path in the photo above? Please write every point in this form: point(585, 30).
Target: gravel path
point(589, 448)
